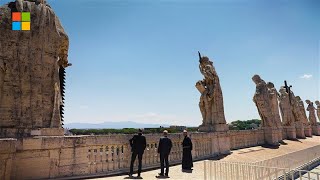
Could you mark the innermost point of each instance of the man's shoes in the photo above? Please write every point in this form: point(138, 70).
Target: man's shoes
point(166, 175)
point(160, 174)
point(130, 175)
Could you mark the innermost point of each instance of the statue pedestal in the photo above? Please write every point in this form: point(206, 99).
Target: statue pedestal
point(290, 132)
point(280, 135)
point(316, 130)
point(47, 132)
point(308, 131)
point(214, 128)
point(271, 135)
point(300, 130)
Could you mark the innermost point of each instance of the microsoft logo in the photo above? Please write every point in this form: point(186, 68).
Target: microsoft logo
point(21, 21)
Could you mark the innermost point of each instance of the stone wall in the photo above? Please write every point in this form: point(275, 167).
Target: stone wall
point(44, 157)
point(246, 138)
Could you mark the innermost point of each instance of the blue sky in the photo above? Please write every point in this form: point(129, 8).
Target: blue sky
point(138, 61)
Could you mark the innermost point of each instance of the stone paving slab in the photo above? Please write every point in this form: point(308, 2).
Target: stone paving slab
point(252, 154)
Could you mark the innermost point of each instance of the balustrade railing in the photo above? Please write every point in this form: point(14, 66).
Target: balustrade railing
point(114, 157)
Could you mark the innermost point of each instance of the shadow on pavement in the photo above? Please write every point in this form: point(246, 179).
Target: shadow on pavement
point(133, 177)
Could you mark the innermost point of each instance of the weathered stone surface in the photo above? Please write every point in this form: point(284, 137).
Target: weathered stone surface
point(271, 135)
point(286, 108)
point(290, 132)
point(30, 62)
point(316, 130)
point(308, 131)
point(300, 130)
point(211, 99)
point(273, 95)
point(318, 109)
point(302, 111)
point(263, 102)
point(312, 113)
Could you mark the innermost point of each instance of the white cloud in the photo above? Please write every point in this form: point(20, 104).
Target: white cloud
point(306, 76)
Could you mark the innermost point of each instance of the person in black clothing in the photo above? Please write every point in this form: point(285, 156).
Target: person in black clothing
point(186, 154)
point(164, 149)
point(138, 144)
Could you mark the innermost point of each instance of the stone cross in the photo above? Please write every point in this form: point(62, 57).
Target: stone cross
point(288, 89)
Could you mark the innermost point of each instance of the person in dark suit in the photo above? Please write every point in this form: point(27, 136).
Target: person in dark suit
point(164, 149)
point(186, 153)
point(138, 144)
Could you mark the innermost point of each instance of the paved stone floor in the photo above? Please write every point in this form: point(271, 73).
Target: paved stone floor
point(252, 154)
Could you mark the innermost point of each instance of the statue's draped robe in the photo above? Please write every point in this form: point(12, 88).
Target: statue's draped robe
point(312, 114)
point(303, 113)
point(262, 101)
point(186, 153)
point(318, 112)
point(273, 94)
point(214, 108)
point(286, 110)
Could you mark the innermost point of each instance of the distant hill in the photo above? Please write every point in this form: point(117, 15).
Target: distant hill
point(112, 125)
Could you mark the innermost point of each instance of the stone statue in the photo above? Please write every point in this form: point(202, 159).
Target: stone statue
point(312, 113)
point(211, 100)
point(274, 95)
point(318, 109)
point(262, 100)
point(33, 62)
point(302, 111)
point(298, 116)
point(286, 108)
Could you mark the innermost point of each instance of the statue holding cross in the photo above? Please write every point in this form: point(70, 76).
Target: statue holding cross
point(211, 99)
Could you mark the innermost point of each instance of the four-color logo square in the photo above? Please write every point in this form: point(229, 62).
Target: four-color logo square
point(25, 26)
point(25, 16)
point(16, 16)
point(16, 26)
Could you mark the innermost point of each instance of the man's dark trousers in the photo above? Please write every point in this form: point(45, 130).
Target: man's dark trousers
point(164, 160)
point(133, 158)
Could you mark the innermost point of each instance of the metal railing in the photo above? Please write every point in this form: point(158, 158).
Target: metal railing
point(217, 170)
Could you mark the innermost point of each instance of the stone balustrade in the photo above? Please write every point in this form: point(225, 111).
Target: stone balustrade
point(43, 157)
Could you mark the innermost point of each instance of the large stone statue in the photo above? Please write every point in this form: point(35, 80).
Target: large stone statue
point(211, 100)
point(274, 95)
point(302, 111)
point(286, 108)
point(31, 63)
point(312, 113)
point(318, 109)
point(263, 102)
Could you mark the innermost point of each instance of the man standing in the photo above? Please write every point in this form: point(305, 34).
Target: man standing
point(164, 149)
point(186, 155)
point(138, 145)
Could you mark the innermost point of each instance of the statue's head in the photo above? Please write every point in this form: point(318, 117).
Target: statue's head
point(317, 103)
point(270, 85)
point(298, 98)
point(282, 90)
point(308, 101)
point(256, 79)
point(204, 60)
